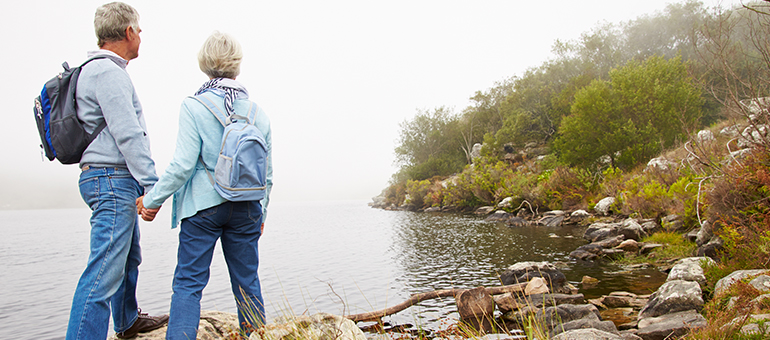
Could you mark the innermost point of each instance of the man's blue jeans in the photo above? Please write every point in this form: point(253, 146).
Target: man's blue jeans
point(109, 280)
point(238, 224)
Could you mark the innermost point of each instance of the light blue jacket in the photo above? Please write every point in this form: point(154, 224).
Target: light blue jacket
point(200, 133)
point(106, 93)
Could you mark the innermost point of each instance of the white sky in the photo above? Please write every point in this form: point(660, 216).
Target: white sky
point(335, 77)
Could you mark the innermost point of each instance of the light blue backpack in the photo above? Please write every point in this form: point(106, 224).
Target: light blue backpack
point(241, 170)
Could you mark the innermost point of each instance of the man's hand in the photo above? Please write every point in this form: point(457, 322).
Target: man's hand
point(147, 214)
point(262, 229)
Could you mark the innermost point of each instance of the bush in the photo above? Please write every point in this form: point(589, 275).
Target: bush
point(739, 203)
point(567, 188)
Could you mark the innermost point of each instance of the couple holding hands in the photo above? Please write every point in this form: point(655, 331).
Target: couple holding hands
point(118, 181)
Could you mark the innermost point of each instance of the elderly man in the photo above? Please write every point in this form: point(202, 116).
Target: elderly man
point(116, 170)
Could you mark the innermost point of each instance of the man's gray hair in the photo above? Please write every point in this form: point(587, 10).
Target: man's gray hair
point(112, 19)
point(220, 56)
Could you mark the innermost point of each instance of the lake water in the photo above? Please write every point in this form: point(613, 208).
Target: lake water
point(336, 257)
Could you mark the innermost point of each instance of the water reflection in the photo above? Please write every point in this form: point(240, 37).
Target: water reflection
point(443, 251)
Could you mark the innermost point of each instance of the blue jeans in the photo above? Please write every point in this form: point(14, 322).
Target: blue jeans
point(238, 226)
point(109, 280)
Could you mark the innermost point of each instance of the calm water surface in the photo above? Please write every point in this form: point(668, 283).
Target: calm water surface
point(335, 257)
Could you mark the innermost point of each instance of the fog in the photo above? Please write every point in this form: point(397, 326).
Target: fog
point(335, 77)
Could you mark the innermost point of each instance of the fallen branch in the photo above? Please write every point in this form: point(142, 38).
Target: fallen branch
point(417, 298)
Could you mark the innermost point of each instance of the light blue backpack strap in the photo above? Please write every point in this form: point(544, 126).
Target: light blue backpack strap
point(213, 108)
point(220, 116)
point(253, 110)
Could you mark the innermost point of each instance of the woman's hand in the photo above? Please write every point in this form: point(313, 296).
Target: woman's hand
point(147, 213)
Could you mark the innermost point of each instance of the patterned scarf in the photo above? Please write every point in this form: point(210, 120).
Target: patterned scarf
point(231, 89)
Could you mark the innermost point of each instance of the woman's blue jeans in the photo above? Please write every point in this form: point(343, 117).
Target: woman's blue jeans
point(238, 226)
point(109, 280)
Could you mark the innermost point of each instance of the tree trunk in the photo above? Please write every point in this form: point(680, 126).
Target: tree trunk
point(416, 298)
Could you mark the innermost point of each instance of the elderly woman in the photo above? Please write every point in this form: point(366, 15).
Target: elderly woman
point(204, 215)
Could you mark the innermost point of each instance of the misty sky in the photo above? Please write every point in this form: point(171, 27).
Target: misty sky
point(335, 77)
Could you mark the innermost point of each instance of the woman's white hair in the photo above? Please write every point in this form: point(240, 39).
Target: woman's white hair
point(111, 21)
point(220, 56)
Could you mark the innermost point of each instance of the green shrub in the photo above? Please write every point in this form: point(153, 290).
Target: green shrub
point(566, 188)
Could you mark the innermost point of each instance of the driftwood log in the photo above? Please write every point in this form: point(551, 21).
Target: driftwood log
point(416, 298)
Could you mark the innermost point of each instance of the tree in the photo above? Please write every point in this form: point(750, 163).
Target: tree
point(430, 145)
point(643, 109)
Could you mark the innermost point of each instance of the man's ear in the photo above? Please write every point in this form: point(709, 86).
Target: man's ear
point(129, 30)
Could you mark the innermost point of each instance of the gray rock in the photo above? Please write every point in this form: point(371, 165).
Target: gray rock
point(604, 206)
point(673, 296)
point(583, 255)
point(551, 220)
point(659, 163)
point(586, 334)
point(630, 246)
point(705, 233)
point(650, 226)
point(761, 283)
point(670, 326)
point(213, 325)
point(505, 203)
point(498, 216)
point(730, 131)
point(484, 210)
point(751, 326)
point(611, 242)
point(508, 301)
point(613, 253)
point(579, 214)
point(589, 322)
point(516, 221)
point(600, 231)
point(525, 271)
point(712, 248)
point(724, 283)
point(705, 136)
point(632, 230)
point(673, 223)
point(476, 151)
point(551, 317)
point(317, 326)
point(689, 269)
point(691, 236)
point(587, 252)
point(649, 247)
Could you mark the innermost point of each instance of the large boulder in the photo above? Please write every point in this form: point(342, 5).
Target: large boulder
point(510, 301)
point(673, 223)
point(705, 233)
point(670, 326)
point(673, 296)
point(659, 163)
point(604, 206)
point(565, 317)
point(525, 271)
point(319, 326)
point(632, 230)
point(587, 334)
point(587, 252)
point(724, 283)
point(601, 231)
point(712, 248)
point(213, 325)
point(690, 269)
point(476, 308)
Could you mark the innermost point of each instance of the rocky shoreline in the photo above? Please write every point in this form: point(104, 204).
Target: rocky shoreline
point(548, 302)
point(673, 310)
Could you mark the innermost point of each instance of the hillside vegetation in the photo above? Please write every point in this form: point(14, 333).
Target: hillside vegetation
point(685, 86)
